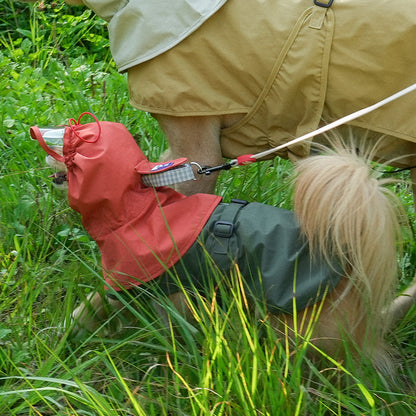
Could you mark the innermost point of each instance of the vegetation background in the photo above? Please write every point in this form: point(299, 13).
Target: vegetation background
point(54, 64)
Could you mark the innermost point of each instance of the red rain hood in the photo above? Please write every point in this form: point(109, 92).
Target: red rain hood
point(141, 231)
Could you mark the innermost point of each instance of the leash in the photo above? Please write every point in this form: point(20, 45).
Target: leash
point(247, 159)
point(169, 173)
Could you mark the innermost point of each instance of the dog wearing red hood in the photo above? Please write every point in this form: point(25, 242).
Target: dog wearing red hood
point(337, 250)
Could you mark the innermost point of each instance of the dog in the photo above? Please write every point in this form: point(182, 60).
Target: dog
point(243, 77)
point(332, 263)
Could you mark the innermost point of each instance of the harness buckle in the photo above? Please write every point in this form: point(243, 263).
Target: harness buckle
point(242, 202)
point(223, 229)
point(322, 4)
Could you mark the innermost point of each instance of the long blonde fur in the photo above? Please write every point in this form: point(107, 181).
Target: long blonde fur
point(350, 217)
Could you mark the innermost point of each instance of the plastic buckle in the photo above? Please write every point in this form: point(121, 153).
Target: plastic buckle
point(223, 229)
point(325, 5)
point(240, 201)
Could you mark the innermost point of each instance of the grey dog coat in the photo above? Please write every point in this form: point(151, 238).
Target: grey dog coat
point(272, 256)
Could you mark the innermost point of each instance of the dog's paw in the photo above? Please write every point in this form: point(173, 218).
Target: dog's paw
point(95, 316)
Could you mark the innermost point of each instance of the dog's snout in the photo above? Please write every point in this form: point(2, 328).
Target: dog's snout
point(59, 178)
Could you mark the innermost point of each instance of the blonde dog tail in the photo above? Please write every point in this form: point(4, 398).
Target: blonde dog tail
point(351, 218)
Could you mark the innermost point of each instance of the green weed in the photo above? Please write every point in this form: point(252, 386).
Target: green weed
point(55, 64)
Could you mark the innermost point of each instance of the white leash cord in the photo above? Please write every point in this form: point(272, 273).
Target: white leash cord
point(336, 123)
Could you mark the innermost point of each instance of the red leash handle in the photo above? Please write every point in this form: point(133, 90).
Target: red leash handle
point(37, 135)
point(245, 160)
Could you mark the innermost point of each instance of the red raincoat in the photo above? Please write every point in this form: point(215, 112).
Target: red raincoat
point(140, 231)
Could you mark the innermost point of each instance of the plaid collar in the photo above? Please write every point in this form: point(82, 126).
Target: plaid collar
point(177, 174)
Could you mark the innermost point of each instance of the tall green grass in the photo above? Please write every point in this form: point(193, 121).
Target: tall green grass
point(54, 64)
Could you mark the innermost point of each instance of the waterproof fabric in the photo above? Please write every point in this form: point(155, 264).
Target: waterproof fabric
point(145, 233)
point(290, 65)
point(272, 257)
point(140, 231)
point(140, 30)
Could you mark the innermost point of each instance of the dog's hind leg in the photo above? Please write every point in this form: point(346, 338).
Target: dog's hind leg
point(198, 139)
point(402, 304)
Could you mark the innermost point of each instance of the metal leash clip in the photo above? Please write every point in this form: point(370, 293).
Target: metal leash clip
point(207, 170)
